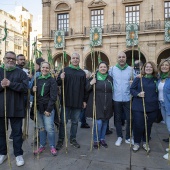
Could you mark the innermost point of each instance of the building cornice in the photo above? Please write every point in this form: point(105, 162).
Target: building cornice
point(131, 1)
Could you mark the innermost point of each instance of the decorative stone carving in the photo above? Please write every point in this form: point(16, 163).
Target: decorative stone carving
point(46, 3)
point(62, 7)
point(97, 3)
point(78, 1)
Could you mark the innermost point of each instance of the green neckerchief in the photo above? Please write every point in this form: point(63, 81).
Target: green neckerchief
point(101, 76)
point(122, 68)
point(148, 76)
point(10, 69)
point(44, 77)
point(42, 90)
point(164, 75)
point(74, 67)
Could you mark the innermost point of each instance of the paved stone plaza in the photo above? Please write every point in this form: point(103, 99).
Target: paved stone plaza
point(112, 158)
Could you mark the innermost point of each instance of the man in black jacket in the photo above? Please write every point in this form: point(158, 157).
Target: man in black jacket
point(16, 84)
point(74, 88)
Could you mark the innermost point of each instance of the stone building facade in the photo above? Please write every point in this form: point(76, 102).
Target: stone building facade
point(77, 16)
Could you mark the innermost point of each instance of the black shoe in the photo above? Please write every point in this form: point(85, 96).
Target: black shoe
point(59, 144)
point(96, 145)
point(85, 126)
point(166, 140)
point(103, 143)
point(108, 132)
point(74, 143)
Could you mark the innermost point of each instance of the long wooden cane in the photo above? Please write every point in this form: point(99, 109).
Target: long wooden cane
point(64, 108)
point(144, 109)
point(6, 123)
point(132, 77)
point(93, 105)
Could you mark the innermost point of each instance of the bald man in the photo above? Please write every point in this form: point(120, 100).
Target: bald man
point(122, 74)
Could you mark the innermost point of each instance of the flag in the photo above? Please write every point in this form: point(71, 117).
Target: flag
point(167, 31)
point(65, 56)
point(39, 53)
point(50, 58)
point(131, 34)
point(59, 39)
point(96, 36)
point(5, 32)
point(33, 44)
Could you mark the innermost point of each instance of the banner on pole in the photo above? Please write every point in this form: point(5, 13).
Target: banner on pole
point(96, 36)
point(167, 31)
point(59, 39)
point(131, 34)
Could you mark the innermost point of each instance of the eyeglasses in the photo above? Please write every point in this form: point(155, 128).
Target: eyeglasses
point(9, 58)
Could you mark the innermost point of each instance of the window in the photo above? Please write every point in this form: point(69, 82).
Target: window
point(132, 14)
point(63, 22)
point(97, 18)
point(167, 10)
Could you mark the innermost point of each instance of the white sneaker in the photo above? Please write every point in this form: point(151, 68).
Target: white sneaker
point(136, 147)
point(167, 149)
point(119, 141)
point(166, 156)
point(128, 141)
point(2, 158)
point(19, 160)
point(145, 147)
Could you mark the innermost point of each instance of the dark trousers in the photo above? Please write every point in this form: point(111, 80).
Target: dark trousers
point(83, 117)
point(139, 125)
point(121, 108)
point(16, 126)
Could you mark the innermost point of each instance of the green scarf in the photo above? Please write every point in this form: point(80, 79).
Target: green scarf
point(44, 77)
point(122, 68)
point(164, 75)
point(10, 69)
point(148, 76)
point(74, 67)
point(101, 76)
point(42, 90)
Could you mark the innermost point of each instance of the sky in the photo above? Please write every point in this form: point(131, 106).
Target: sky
point(33, 6)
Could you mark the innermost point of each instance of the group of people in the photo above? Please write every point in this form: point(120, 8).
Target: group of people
point(114, 91)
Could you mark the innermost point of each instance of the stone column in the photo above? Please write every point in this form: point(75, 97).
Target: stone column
point(46, 18)
point(79, 16)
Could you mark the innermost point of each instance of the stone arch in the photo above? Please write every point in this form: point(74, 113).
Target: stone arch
point(57, 61)
point(164, 54)
point(136, 56)
point(62, 6)
point(88, 61)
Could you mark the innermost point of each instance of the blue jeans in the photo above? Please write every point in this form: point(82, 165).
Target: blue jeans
point(16, 126)
point(139, 125)
point(83, 117)
point(121, 108)
point(73, 114)
point(46, 128)
point(101, 128)
point(165, 116)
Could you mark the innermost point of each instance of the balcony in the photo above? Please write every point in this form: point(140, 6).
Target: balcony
point(67, 33)
point(147, 26)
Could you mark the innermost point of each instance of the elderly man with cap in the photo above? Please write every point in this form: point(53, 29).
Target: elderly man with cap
point(74, 87)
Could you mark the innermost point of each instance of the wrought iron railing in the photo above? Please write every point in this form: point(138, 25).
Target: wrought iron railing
point(120, 28)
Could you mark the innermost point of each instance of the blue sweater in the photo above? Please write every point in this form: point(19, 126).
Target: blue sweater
point(151, 94)
point(166, 95)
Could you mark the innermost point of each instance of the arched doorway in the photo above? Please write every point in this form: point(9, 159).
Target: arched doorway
point(88, 60)
point(57, 61)
point(136, 57)
point(164, 55)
